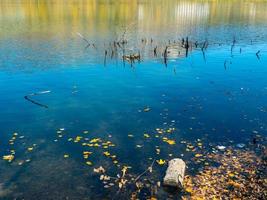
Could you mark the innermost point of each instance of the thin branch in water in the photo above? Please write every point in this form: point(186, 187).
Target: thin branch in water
point(257, 54)
point(148, 169)
point(35, 102)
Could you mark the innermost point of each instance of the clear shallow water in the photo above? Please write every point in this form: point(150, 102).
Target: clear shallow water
point(219, 99)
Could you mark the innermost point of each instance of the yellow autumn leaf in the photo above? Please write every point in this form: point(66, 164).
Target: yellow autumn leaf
point(9, 158)
point(89, 163)
point(189, 189)
point(94, 140)
point(30, 148)
point(106, 153)
point(161, 161)
point(170, 142)
point(146, 135)
point(87, 152)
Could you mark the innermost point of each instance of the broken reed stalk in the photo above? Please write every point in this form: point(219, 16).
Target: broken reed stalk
point(165, 55)
point(155, 51)
point(196, 44)
point(233, 45)
point(105, 57)
point(205, 46)
point(186, 47)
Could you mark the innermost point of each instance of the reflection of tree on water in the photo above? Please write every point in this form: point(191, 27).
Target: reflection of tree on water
point(102, 17)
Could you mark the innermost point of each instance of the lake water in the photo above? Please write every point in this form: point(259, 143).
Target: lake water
point(216, 94)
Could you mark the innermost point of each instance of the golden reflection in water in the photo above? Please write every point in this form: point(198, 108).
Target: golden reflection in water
point(104, 16)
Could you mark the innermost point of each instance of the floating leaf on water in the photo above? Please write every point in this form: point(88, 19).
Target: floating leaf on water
point(77, 139)
point(240, 145)
point(170, 142)
point(99, 170)
point(198, 155)
point(130, 135)
point(146, 135)
point(94, 140)
point(86, 154)
point(89, 163)
point(12, 151)
point(161, 161)
point(104, 178)
point(158, 183)
point(220, 147)
point(66, 156)
point(147, 109)
point(20, 163)
point(106, 153)
point(9, 158)
point(138, 146)
point(158, 151)
point(30, 148)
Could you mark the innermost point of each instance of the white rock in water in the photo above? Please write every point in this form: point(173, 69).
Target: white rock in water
point(175, 173)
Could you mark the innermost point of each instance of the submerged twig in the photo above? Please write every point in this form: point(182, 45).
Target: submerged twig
point(148, 169)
